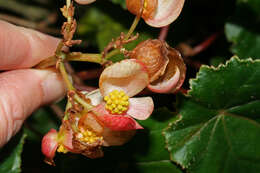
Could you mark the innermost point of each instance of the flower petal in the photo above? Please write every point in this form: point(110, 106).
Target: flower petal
point(49, 145)
point(116, 138)
point(67, 135)
point(174, 75)
point(165, 86)
point(140, 108)
point(95, 97)
point(167, 12)
point(115, 122)
point(89, 121)
point(119, 122)
point(128, 75)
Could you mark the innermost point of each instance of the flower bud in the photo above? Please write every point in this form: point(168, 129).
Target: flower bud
point(164, 64)
point(49, 145)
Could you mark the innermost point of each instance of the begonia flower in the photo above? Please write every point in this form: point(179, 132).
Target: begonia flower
point(156, 13)
point(114, 104)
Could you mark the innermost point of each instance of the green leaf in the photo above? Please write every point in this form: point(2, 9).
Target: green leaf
point(253, 4)
point(10, 160)
point(218, 127)
point(144, 153)
point(245, 42)
point(243, 29)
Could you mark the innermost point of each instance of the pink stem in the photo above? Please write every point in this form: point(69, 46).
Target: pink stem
point(163, 33)
point(205, 44)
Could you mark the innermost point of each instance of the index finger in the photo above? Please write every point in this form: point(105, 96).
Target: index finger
point(23, 48)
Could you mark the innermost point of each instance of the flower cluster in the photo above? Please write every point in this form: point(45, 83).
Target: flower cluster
point(107, 116)
point(111, 119)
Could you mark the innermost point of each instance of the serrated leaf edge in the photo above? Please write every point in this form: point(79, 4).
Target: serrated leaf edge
point(179, 118)
point(218, 68)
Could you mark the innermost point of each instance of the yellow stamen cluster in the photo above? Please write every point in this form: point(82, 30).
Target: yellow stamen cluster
point(62, 149)
point(117, 102)
point(88, 136)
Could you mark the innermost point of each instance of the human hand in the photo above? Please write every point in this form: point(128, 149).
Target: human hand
point(22, 90)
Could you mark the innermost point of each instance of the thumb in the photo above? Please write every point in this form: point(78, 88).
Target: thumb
point(23, 91)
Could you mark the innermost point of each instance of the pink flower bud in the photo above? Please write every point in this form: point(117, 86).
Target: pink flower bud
point(49, 145)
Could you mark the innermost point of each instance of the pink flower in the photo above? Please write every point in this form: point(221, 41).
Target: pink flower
point(114, 105)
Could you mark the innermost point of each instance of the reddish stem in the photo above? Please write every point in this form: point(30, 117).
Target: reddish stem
point(205, 44)
point(163, 33)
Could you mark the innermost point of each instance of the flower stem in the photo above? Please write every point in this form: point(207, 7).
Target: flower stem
point(88, 57)
point(133, 26)
point(128, 35)
point(81, 101)
point(112, 53)
point(65, 76)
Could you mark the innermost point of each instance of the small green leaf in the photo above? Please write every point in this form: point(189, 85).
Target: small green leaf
point(10, 160)
point(218, 128)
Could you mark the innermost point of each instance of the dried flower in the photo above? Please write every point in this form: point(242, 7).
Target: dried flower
point(164, 64)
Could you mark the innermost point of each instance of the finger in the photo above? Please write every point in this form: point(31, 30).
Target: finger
point(23, 48)
point(23, 91)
